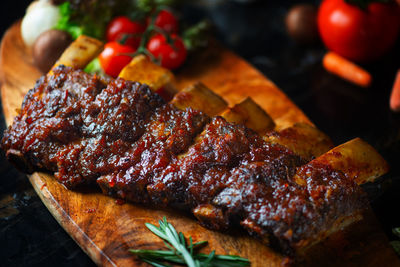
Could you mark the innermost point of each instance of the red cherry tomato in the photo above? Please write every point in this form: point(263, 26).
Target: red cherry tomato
point(171, 56)
point(357, 34)
point(167, 21)
point(121, 26)
point(113, 60)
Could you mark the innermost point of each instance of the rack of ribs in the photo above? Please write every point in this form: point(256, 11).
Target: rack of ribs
point(289, 188)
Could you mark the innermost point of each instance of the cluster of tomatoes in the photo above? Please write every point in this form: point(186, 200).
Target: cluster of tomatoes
point(124, 37)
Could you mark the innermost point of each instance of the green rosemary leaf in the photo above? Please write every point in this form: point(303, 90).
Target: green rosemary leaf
point(158, 253)
point(156, 263)
point(209, 258)
point(157, 231)
point(182, 239)
point(182, 252)
point(199, 244)
point(225, 260)
point(168, 246)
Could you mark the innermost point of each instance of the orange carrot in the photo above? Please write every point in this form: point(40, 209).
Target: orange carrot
point(395, 96)
point(346, 69)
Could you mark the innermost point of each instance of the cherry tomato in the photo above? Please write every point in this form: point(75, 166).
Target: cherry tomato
point(121, 26)
point(358, 34)
point(171, 56)
point(112, 59)
point(167, 21)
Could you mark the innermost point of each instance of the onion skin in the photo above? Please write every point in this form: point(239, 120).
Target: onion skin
point(40, 17)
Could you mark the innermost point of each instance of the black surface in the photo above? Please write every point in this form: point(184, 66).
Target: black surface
point(30, 236)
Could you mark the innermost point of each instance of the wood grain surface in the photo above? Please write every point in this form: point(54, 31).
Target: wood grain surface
point(106, 230)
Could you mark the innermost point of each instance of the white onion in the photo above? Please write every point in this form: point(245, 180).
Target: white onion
point(37, 3)
point(40, 17)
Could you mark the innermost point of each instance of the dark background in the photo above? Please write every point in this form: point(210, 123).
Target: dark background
point(30, 236)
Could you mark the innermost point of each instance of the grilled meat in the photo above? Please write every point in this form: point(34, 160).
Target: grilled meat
point(77, 126)
point(139, 148)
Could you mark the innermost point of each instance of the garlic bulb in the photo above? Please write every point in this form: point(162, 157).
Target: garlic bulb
point(40, 16)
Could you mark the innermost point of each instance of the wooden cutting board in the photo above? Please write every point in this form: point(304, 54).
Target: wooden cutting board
point(106, 230)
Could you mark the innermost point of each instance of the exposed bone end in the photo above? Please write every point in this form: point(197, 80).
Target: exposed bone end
point(199, 97)
point(211, 217)
point(356, 159)
point(143, 70)
point(17, 158)
point(251, 115)
point(303, 139)
point(83, 50)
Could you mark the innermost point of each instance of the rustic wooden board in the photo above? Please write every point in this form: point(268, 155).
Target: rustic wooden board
point(106, 230)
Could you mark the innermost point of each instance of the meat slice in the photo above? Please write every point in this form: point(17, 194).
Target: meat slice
point(112, 124)
point(50, 117)
point(295, 216)
point(170, 132)
point(197, 175)
point(74, 124)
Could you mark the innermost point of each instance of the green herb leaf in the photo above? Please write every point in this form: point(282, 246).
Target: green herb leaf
point(182, 253)
point(65, 24)
point(90, 17)
point(196, 36)
point(94, 67)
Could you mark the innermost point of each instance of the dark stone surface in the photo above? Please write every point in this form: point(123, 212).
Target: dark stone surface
point(30, 236)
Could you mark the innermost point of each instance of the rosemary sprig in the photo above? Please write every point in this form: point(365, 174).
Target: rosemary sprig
point(182, 252)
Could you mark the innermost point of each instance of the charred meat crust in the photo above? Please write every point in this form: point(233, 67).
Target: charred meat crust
point(137, 147)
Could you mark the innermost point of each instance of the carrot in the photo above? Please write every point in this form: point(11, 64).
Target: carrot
point(346, 69)
point(395, 96)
